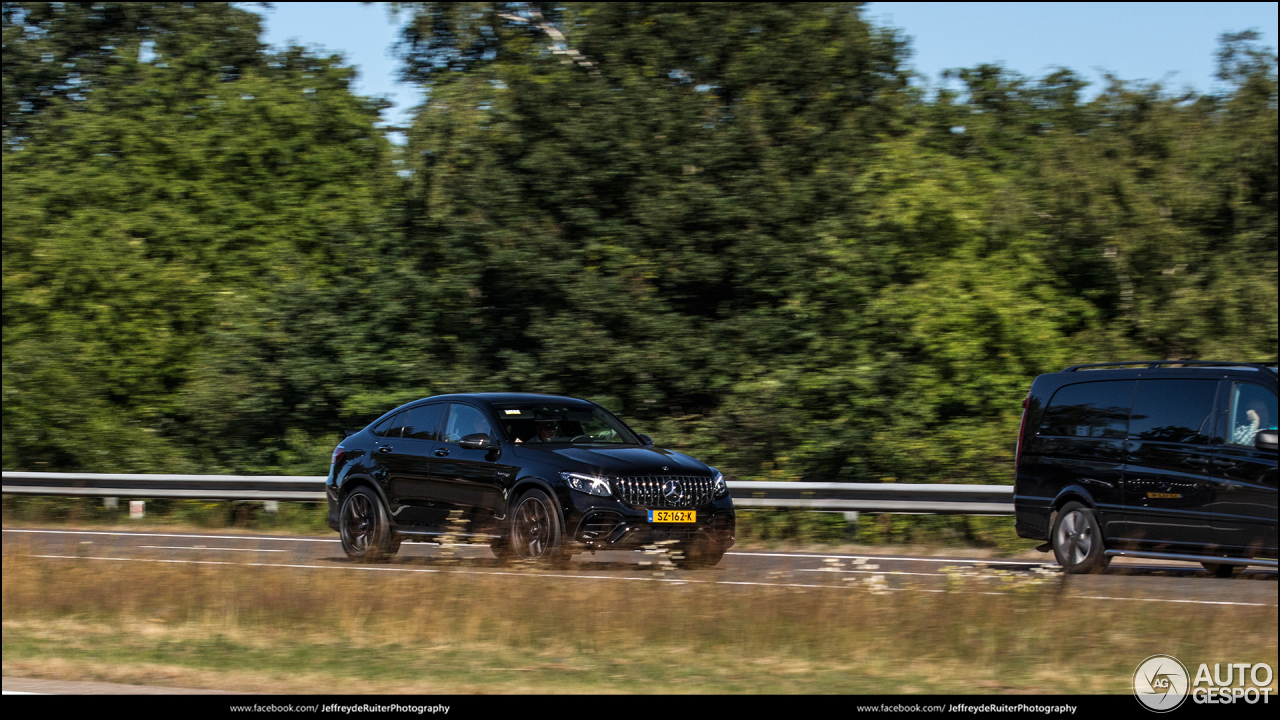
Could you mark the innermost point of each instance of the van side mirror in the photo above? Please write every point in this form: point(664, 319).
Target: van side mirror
point(645, 440)
point(1267, 440)
point(475, 441)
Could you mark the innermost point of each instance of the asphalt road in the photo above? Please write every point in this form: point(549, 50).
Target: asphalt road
point(1127, 580)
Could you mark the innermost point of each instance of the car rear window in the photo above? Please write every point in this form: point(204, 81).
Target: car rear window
point(1092, 410)
point(423, 422)
point(391, 427)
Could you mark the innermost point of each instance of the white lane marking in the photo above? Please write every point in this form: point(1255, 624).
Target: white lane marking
point(211, 537)
point(953, 561)
point(600, 577)
point(335, 540)
point(197, 547)
point(173, 535)
point(1196, 602)
point(869, 572)
point(957, 561)
point(19, 692)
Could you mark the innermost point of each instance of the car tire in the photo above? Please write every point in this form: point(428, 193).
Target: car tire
point(364, 527)
point(1077, 540)
point(698, 554)
point(502, 550)
point(535, 533)
point(1221, 570)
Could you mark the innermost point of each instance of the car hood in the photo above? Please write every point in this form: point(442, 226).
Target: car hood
point(616, 462)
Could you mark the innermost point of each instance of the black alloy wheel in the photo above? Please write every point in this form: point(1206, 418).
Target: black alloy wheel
point(535, 533)
point(364, 527)
point(1077, 540)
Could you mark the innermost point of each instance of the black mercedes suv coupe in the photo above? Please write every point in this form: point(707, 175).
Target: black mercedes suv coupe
point(540, 477)
point(1151, 459)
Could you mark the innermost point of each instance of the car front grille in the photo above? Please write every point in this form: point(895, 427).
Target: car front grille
point(650, 490)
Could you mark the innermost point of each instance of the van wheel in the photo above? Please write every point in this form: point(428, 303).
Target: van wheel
point(1222, 570)
point(1077, 540)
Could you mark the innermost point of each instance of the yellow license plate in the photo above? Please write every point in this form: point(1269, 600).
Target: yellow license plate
point(673, 516)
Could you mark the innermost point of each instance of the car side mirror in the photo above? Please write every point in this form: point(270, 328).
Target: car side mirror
point(476, 441)
point(645, 440)
point(1266, 440)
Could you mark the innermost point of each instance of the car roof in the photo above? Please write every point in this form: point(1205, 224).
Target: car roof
point(496, 397)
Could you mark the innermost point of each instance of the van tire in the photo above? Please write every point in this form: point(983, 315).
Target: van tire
point(1077, 540)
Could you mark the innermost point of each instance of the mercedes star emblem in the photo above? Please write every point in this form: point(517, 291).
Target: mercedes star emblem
point(673, 491)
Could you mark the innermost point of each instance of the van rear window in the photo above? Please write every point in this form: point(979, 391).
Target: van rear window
point(1093, 409)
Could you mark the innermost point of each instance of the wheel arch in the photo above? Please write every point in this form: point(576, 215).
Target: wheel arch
point(531, 482)
point(1070, 493)
point(350, 483)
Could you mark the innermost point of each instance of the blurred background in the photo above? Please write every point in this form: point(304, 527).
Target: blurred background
point(756, 232)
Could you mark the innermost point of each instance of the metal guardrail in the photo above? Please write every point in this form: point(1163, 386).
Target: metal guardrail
point(932, 498)
point(204, 487)
point(825, 496)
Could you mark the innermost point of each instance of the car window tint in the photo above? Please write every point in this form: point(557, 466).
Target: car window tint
point(423, 422)
point(1174, 411)
point(1253, 408)
point(465, 420)
point(1094, 409)
point(390, 427)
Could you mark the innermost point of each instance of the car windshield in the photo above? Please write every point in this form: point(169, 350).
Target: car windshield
point(562, 423)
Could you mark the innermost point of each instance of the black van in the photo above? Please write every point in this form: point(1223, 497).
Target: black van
point(1167, 460)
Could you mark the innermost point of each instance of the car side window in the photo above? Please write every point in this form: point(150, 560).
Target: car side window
point(465, 420)
point(1253, 408)
point(423, 422)
point(391, 427)
point(1174, 410)
point(1092, 410)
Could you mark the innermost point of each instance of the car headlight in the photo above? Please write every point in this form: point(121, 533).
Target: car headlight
point(589, 484)
point(720, 487)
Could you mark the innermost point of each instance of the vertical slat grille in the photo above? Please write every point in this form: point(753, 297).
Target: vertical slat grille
point(647, 491)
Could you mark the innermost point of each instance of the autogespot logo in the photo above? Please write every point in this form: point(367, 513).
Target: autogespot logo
point(1160, 683)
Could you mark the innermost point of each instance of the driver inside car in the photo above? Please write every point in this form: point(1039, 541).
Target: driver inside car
point(543, 431)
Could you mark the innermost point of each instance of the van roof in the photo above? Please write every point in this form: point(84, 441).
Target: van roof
point(1153, 364)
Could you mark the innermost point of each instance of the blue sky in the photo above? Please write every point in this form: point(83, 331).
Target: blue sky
point(1173, 43)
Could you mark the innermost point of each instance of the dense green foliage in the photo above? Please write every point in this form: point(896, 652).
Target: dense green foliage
point(743, 228)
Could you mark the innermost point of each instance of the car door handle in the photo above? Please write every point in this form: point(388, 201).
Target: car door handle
point(1223, 463)
point(1197, 461)
point(384, 449)
point(442, 452)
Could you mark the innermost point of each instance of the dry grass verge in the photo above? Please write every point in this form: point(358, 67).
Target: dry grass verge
point(294, 630)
